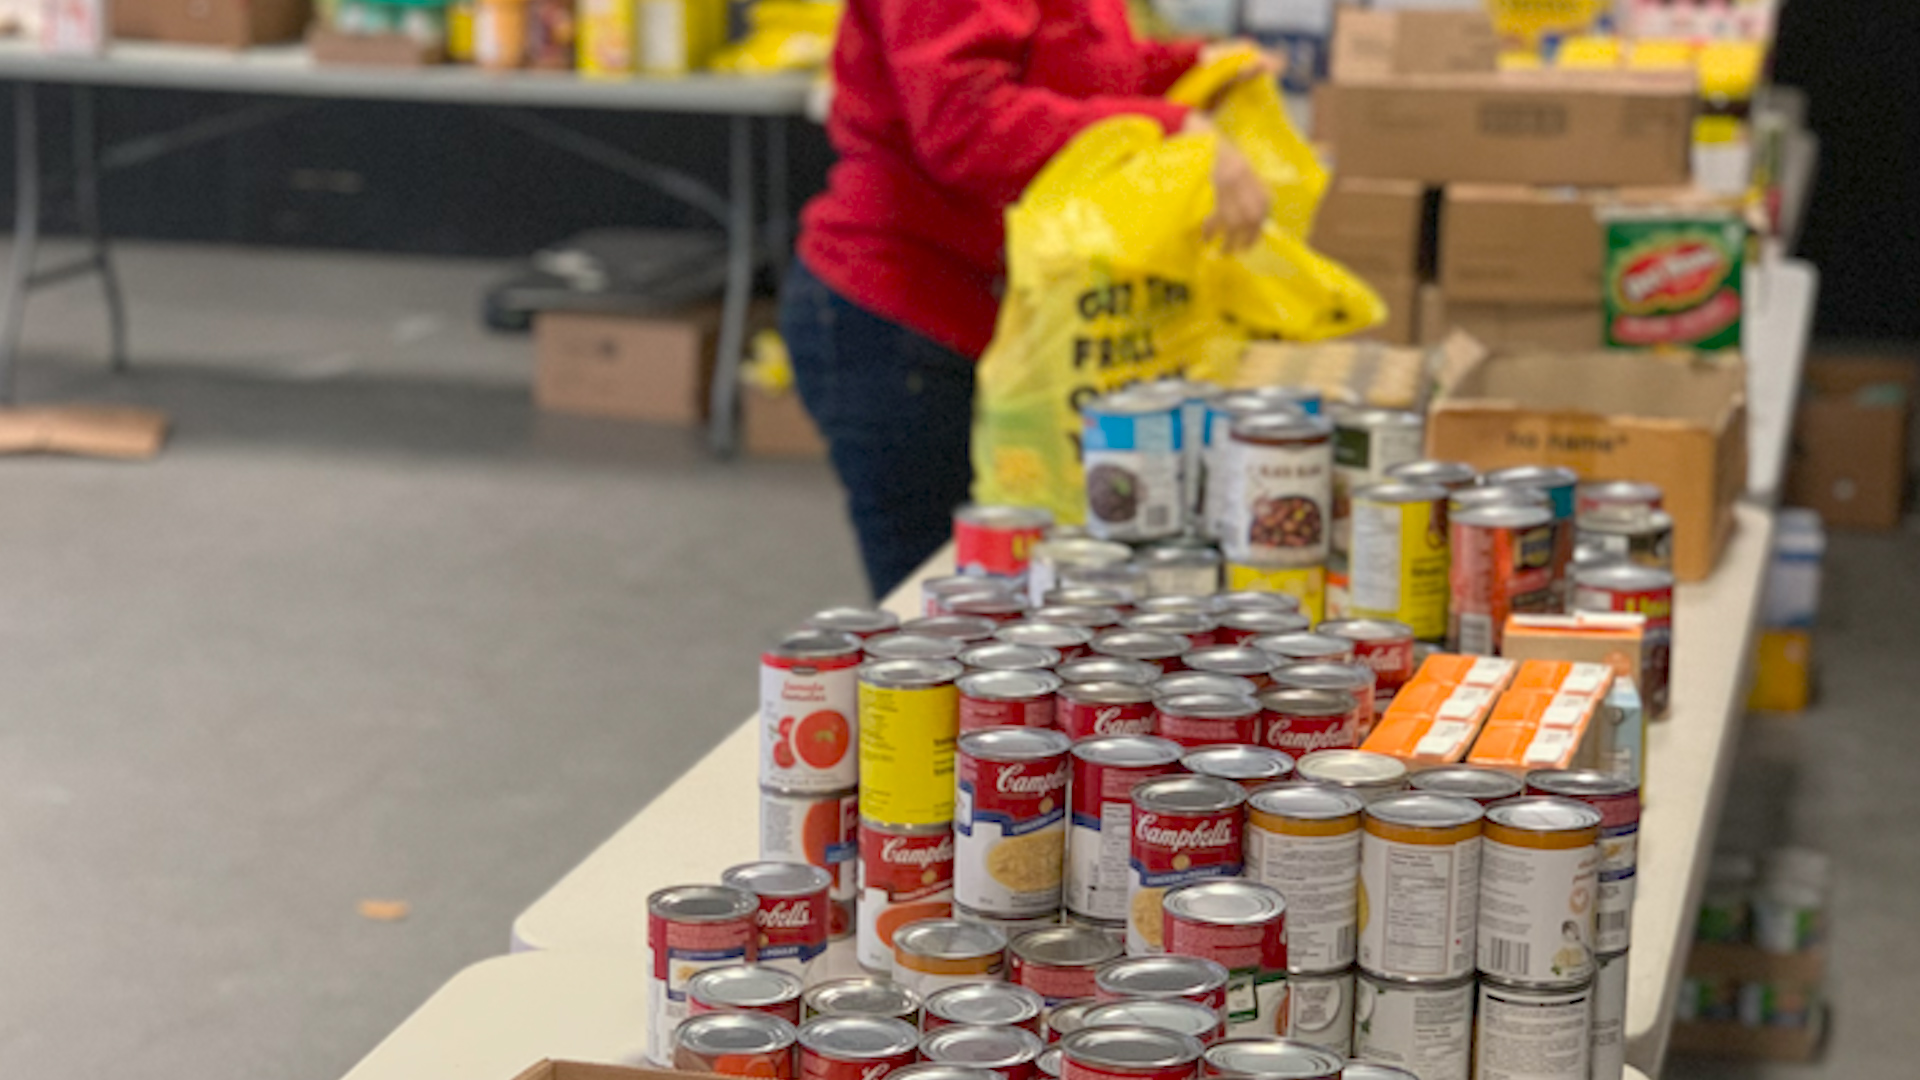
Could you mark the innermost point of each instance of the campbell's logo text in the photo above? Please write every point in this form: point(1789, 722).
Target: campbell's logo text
point(1016, 780)
point(1219, 832)
point(902, 851)
point(1282, 735)
point(787, 915)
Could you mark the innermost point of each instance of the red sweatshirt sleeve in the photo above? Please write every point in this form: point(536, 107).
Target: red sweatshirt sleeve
point(974, 126)
point(1166, 62)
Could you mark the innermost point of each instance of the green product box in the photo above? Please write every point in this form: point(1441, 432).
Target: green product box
point(1673, 279)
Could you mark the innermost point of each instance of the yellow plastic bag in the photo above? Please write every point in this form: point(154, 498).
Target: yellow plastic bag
point(1109, 282)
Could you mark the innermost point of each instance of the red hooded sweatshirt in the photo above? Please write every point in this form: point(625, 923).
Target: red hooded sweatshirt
point(943, 110)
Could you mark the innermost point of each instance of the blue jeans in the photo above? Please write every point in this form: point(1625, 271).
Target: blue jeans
point(896, 409)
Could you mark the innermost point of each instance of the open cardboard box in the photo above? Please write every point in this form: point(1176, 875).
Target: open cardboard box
point(580, 1070)
point(1678, 421)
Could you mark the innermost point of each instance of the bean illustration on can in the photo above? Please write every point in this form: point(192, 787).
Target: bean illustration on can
point(1131, 449)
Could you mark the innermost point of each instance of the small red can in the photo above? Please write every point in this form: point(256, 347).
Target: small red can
point(1208, 720)
point(1059, 962)
point(1010, 820)
point(1244, 661)
point(1105, 708)
point(1503, 562)
point(822, 831)
point(1007, 1052)
point(1198, 979)
point(1129, 1053)
point(691, 928)
point(1004, 1004)
point(1071, 642)
point(1197, 627)
point(1007, 699)
point(809, 696)
point(745, 988)
point(1161, 650)
point(1352, 676)
point(1300, 720)
point(1645, 591)
point(794, 911)
point(1105, 770)
point(1384, 645)
point(1240, 925)
point(1185, 829)
point(855, 1047)
point(997, 541)
point(735, 1044)
point(1241, 625)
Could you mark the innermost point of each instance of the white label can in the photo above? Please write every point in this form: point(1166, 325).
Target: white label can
point(809, 703)
point(1279, 494)
point(1610, 1017)
point(1424, 1028)
point(1320, 1010)
point(1305, 842)
point(1130, 447)
point(1419, 886)
point(1538, 886)
point(1531, 1034)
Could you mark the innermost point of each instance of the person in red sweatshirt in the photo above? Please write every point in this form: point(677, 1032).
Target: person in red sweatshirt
point(943, 111)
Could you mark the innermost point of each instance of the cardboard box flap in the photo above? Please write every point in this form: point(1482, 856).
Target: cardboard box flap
point(581, 1070)
point(1592, 385)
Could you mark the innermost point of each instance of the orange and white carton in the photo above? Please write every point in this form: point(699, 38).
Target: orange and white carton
point(1548, 719)
point(1435, 718)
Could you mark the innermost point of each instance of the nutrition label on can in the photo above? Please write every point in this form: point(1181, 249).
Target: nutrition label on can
point(1524, 1038)
point(1427, 1030)
point(1417, 907)
point(1320, 1010)
point(1316, 875)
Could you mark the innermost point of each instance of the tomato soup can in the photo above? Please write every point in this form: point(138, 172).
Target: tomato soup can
point(1502, 564)
point(1320, 1009)
point(1538, 879)
point(1642, 591)
point(1610, 1017)
point(909, 719)
point(1385, 645)
point(932, 954)
point(1181, 683)
point(1098, 668)
point(1304, 842)
point(1298, 721)
point(1008, 1053)
point(1184, 829)
point(819, 830)
point(1106, 768)
point(1484, 786)
point(1090, 710)
point(1052, 558)
point(691, 928)
point(1349, 676)
point(855, 1047)
point(1186, 978)
point(1007, 699)
point(1058, 962)
point(1241, 925)
point(1194, 720)
point(745, 988)
point(1423, 1027)
point(808, 703)
point(794, 911)
point(861, 995)
point(1531, 1033)
point(1451, 475)
point(1163, 1014)
point(1244, 661)
point(997, 541)
point(1419, 886)
point(1301, 647)
point(735, 1044)
point(1239, 626)
point(1618, 801)
point(1148, 646)
point(1131, 1052)
point(1397, 565)
point(906, 874)
point(1252, 767)
point(861, 622)
point(1070, 642)
point(1617, 495)
point(1367, 774)
point(1002, 1004)
point(1010, 815)
point(1130, 446)
point(1181, 566)
point(1272, 1058)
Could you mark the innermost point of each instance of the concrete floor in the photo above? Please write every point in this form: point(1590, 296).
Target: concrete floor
point(372, 628)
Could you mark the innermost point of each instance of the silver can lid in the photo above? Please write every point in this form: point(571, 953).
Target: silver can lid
point(1008, 685)
point(1104, 669)
point(1131, 1048)
point(910, 674)
point(1180, 554)
point(1230, 660)
point(702, 903)
point(904, 645)
point(715, 1033)
point(994, 516)
point(1242, 764)
point(1065, 946)
point(1188, 794)
point(1161, 976)
point(1162, 1014)
point(937, 1070)
point(986, 1003)
point(1202, 682)
point(1007, 656)
point(1226, 902)
point(854, 620)
point(1089, 595)
point(1623, 577)
point(1306, 802)
point(858, 1038)
point(816, 644)
point(1473, 498)
point(1326, 675)
point(1171, 622)
point(1106, 693)
point(744, 986)
point(1141, 645)
point(1176, 602)
point(1447, 474)
point(1543, 813)
point(1265, 621)
point(1419, 809)
point(1208, 706)
point(775, 878)
point(1304, 646)
point(981, 1045)
point(1270, 1058)
point(1373, 1070)
point(1351, 769)
point(1578, 783)
point(1137, 400)
point(1307, 701)
point(1082, 616)
point(1467, 781)
point(1046, 634)
point(1049, 1061)
point(1254, 600)
point(1503, 516)
point(964, 629)
point(1014, 744)
point(1263, 426)
point(987, 603)
point(1080, 551)
point(1545, 477)
point(1068, 1016)
point(948, 939)
point(1128, 751)
point(861, 995)
point(1366, 629)
point(1400, 493)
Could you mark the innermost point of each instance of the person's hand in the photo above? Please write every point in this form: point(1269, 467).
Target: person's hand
point(1258, 63)
point(1241, 201)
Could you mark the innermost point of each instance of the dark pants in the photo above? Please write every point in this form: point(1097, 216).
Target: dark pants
point(897, 412)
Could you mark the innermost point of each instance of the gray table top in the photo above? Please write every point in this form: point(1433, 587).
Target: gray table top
point(289, 70)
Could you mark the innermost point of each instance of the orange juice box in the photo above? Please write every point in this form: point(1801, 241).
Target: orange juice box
point(1551, 719)
point(1435, 718)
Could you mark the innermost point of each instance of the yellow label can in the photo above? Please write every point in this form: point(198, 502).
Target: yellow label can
point(1307, 584)
point(909, 721)
point(1400, 558)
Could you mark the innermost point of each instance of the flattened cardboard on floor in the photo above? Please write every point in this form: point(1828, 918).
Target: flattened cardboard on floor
point(1679, 422)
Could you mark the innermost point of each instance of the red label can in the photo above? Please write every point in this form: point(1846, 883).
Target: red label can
point(1185, 829)
point(822, 831)
point(1299, 720)
point(794, 910)
point(1208, 720)
point(1010, 820)
point(691, 928)
point(1241, 925)
point(1384, 645)
point(906, 873)
point(856, 1047)
point(809, 695)
point(1105, 770)
point(1007, 699)
point(1647, 592)
point(1128, 1053)
point(997, 541)
point(1503, 562)
point(1104, 708)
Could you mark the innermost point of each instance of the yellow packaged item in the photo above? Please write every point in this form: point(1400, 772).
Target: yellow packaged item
point(783, 35)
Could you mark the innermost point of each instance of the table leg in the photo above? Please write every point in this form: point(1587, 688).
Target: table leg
point(86, 190)
point(740, 265)
point(779, 215)
point(26, 233)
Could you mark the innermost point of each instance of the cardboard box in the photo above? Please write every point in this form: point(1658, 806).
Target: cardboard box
point(1346, 369)
point(1402, 326)
point(1849, 453)
point(1676, 421)
point(777, 425)
point(1372, 227)
point(1516, 327)
point(235, 24)
point(627, 367)
point(580, 1070)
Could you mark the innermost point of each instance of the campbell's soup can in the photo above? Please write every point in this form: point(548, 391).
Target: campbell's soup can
point(1106, 769)
point(1129, 1052)
point(1058, 962)
point(809, 699)
point(1241, 925)
point(1298, 720)
point(1531, 1033)
point(1320, 1009)
point(1644, 591)
point(1275, 1058)
point(1419, 886)
point(1304, 841)
point(1184, 829)
point(735, 1044)
point(1195, 720)
point(856, 1047)
point(1425, 1028)
point(745, 988)
point(1384, 645)
point(1010, 814)
point(691, 928)
point(997, 1004)
point(794, 911)
point(1007, 699)
point(1000, 1050)
point(1353, 677)
point(906, 874)
point(1089, 710)
point(1069, 640)
point(909, 719)
point(997, 541)
point(819, 830)
point(1502, 564)
point(1131, 449)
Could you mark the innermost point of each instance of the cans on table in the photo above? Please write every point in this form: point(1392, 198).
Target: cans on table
point(934, 953)
point(1298, 721)
point(808, 703)
point(1161, 650)
point(794, 913)
point(1194, 720)
point(1560, 487)
point(909, 719)
point(1187, 978)
point(1099, 839)
point(1185, 829)
point(745, 988)
point(860, 622)
point(997, 541)
point(1279, 509)
point(1641, 537)
point(1304, 841)
point(1618, 801)
point(1086, 710)
point(1398, 562)
point(1320, 1009)
point(1350, 676)
point(855, 1047)
point(1241, 925)
point(1423, 1027)
point(1010, 814)
point(1502, 563)
point(1181, 566)
point(1452, 475)
point(861, 995)
point(1007, 699)
point(1538, 877)
point(907, 645)
point(1270, 1058)
point(1129, 1053)
point(1096, 668)
point(1059, 962)
point(1643, 591)
point(1067, 640)
point(1616, 495)
point(1369, 775)
point(1610, 1017)
point(820, 830)
point(1002, 1003)
point(1531, 1033)
point(735, 1044)
point(1162, 1014)
point(1238, 626)
point(691, 928)
point(906, 874)
point(1419, 886)
point(1131, 447)
point(1252, 767)
point(1484, 786)
point(1005, 1052)
point(1301, 646)
point(1050, 558)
